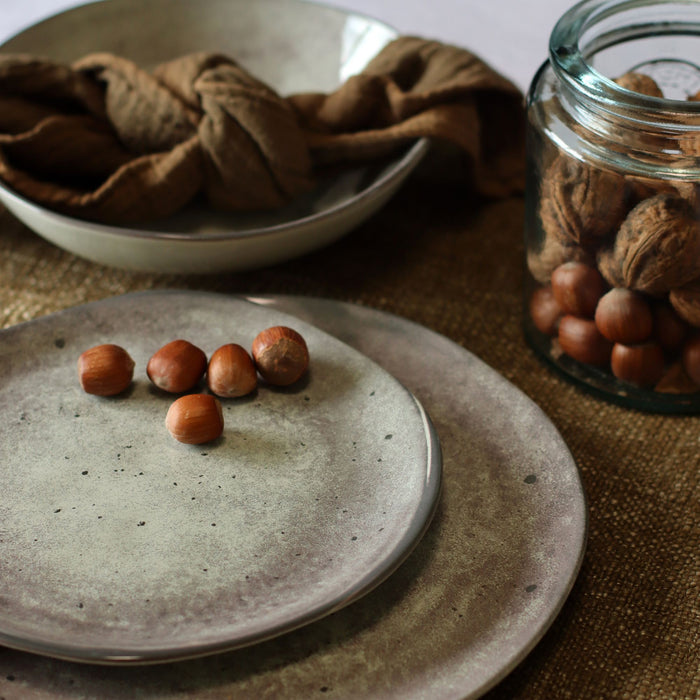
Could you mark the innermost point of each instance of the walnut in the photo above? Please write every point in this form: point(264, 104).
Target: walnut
point(641, 188)
point(640, 83)
point(689, 145)
point(581, 204)
point(610, 267)
point(656, 249)
point(554, 252)
point(686, 302)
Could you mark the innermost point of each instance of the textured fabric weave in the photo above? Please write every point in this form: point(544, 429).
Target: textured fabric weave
point(103, 139)
point(631, 626)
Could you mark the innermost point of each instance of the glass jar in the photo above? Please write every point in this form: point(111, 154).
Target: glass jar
point(612, 229)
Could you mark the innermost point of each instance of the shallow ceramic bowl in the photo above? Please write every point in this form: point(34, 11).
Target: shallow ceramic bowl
point(292, 45)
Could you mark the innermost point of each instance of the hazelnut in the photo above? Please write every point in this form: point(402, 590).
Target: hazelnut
point(177, 366)
point(669, 328)
point(545, 311)
point(624, 316)
point(280, 355)
point(691, 358)
point(105, 370)
point(581, 340)
point(577, 287)
point(642, 365)
point(195, 419)
point(676, 381)
point(231, 372)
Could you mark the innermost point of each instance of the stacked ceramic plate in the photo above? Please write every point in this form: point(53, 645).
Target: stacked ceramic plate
point(128, 546)
point(122, 546)
point(403, 523)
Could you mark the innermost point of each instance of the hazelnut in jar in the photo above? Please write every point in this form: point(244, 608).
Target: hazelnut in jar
point(612, 227)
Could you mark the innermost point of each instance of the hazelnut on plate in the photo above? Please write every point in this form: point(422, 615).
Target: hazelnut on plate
point(195, 419)
point(177, 366)
point(105, 370)
point(231, 372)
point(280, 355)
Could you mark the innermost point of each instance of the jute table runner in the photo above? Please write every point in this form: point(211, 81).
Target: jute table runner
point(631, 626)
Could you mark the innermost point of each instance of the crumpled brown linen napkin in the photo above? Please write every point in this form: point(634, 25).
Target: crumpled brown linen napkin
point(102, 139)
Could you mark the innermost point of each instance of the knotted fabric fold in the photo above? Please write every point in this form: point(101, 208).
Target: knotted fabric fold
point(103, 139)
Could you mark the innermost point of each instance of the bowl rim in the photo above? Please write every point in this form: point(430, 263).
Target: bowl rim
point(397, 170)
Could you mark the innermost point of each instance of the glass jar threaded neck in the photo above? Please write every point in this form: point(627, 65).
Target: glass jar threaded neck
point(661, 134)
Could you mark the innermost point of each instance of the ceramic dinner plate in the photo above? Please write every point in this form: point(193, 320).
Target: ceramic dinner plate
point(292, 45)
point(119, 544)
point(478, 592)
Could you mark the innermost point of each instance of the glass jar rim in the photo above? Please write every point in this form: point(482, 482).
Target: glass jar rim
point(569, 58)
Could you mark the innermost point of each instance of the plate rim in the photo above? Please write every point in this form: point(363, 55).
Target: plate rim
point(567, 584)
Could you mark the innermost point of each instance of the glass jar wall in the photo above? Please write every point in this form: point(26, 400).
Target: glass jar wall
point(612, 231)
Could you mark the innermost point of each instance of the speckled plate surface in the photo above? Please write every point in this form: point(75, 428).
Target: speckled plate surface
point(476, 595)
point(118, 544)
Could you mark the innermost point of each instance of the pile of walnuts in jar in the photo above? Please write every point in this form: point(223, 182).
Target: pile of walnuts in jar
point(617, 269)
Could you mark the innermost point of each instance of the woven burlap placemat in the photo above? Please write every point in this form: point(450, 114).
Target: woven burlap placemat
point(630, 628)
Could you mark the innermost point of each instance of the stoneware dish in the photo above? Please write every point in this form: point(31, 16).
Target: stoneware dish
point(120, 545)
point(478, 592)
point(292, 45)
